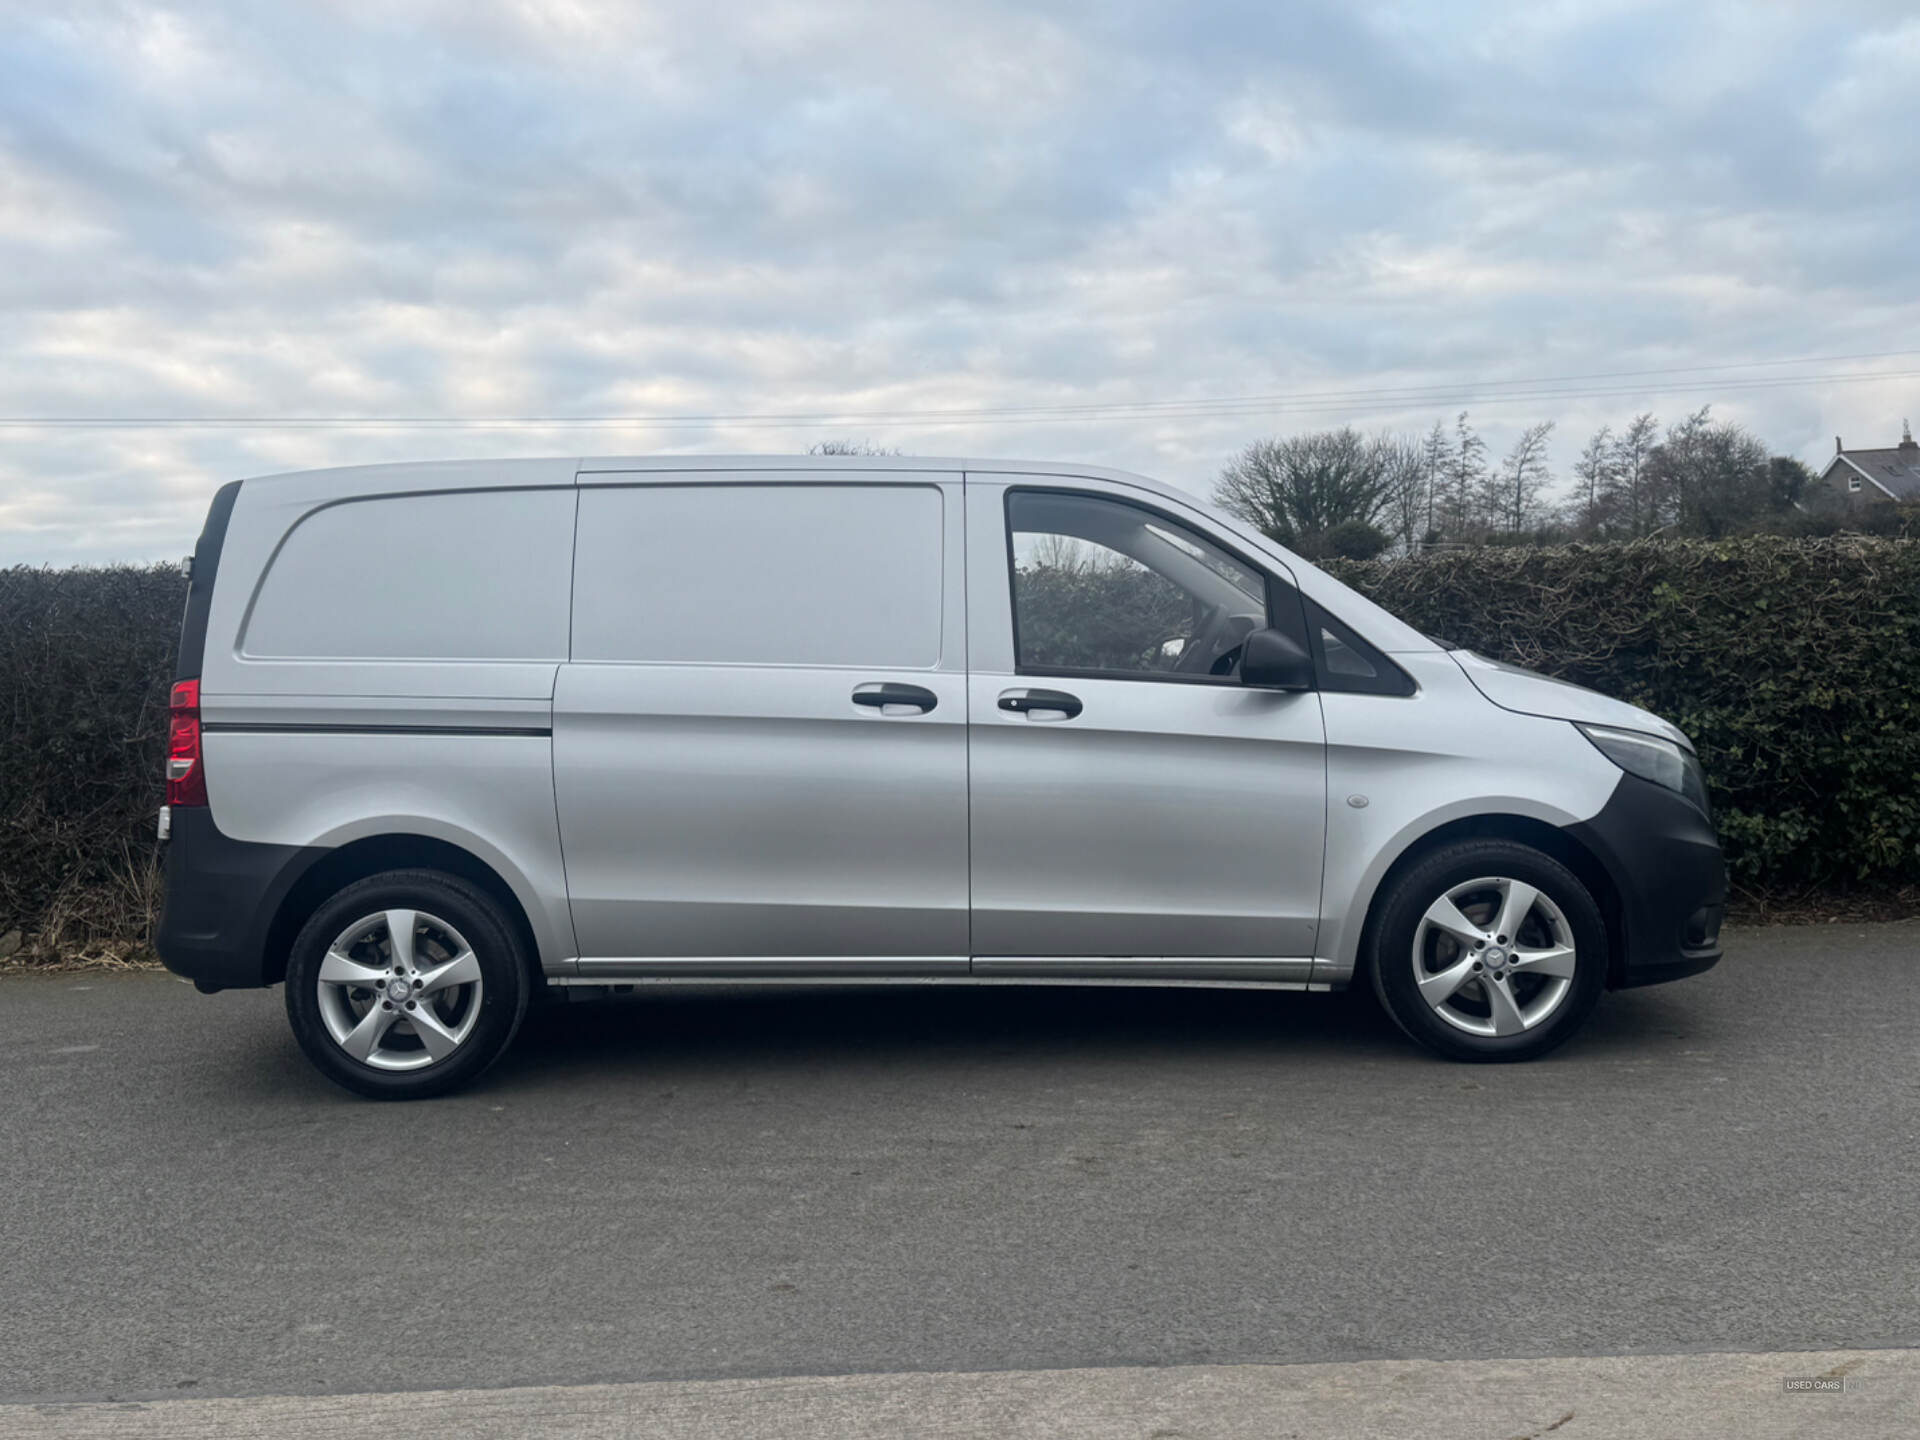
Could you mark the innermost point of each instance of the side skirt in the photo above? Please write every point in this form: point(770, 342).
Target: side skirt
point(1265, 973)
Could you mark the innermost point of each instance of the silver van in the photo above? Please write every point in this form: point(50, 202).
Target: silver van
point(446, 737)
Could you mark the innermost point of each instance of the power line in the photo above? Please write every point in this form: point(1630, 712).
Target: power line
point(1491, 393)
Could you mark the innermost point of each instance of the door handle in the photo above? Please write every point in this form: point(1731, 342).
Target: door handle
point(1041, 704)
point(892, 699)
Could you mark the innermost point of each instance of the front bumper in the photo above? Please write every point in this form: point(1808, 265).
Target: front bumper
point(222, 895)
point(1666, 866)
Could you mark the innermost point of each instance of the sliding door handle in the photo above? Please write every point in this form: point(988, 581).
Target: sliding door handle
point(1041, 704)
point(891, 699)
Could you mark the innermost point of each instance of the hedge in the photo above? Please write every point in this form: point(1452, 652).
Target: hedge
point(1793, 663)
point(86, 661)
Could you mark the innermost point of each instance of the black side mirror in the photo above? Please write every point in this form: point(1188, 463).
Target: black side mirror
point(1273, 660)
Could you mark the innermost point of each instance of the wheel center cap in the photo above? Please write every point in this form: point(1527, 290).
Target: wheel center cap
point(398, 991)
point(1495, 955)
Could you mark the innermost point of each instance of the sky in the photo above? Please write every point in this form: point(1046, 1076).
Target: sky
point(1048, 231)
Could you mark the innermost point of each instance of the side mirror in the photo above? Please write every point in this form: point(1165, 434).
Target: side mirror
point(1273, 660)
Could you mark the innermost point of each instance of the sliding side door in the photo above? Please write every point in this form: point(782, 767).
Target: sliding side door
point(760, 741)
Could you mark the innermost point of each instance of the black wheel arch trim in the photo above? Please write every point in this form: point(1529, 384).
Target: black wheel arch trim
point(233, 907)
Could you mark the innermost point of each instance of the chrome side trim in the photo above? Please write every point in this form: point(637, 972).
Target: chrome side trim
point(592, 970)
point(1268, 972)
point(1152, 968)
point(369, 705)
point(611, 982)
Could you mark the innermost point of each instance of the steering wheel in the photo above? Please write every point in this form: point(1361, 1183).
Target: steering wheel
point(1221, 633)
point(1197, 656)
point(1232, 637)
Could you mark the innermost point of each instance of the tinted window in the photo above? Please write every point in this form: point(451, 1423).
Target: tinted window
point(1343, 659)
point(1100, 585)
point(474, 575)
point(726, 574)
point(1347, 662)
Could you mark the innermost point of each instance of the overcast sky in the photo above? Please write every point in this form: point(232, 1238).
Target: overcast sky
point(871, 211)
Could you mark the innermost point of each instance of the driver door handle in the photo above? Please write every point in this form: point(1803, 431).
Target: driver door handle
point(1041, 704)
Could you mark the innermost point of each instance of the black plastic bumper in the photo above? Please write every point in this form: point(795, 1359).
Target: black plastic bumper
point(1666, 864)
point(222, 895)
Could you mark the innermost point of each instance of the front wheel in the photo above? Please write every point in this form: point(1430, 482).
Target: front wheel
point(1488, 950)
point(406, 984)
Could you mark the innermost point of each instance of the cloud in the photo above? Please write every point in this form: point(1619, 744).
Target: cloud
point(540, 207)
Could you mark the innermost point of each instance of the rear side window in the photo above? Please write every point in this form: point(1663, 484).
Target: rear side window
point(467, 575)
point(725, 574)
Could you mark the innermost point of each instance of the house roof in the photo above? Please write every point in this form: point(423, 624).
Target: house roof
point(1895, 469)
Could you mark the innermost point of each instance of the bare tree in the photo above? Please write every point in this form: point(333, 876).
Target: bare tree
point(850, 447)
point(1467, 479)
point(1629, 499)
point(1593, 474)
point(1711, 478)
point(1436, 457)
point(1408, 487)
point(1071, 555)
point(1676, 464)
point(1297, 489)
point(1513, 491)
point(1699, 477)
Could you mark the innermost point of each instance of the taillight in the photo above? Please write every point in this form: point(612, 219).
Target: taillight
point(186, 774)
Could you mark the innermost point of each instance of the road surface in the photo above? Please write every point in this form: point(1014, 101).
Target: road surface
point(754, 1183)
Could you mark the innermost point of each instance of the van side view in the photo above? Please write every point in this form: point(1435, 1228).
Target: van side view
point(447, 735)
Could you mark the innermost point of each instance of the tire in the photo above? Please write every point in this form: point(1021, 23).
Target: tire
point(344, 966)
point(1467, 968)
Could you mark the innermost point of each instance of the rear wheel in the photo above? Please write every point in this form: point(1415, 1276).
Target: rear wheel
point(1488, 950)
point(406, 984)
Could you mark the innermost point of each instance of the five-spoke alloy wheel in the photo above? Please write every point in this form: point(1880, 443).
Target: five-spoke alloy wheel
point(400, 989)
point(1488, 950)
point(1494, 956)
point(406, 984)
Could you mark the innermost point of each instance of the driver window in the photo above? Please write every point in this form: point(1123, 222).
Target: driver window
point(1103, 586)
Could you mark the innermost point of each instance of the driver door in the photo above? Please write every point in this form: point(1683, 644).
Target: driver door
point(1135, 810)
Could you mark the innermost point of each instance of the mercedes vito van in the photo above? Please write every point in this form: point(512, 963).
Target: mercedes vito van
point(445, 736)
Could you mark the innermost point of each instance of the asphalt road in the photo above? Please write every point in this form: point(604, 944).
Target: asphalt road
point(782, 1182)
point(1862, 1393)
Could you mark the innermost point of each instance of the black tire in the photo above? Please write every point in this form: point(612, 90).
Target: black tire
point(1390, 953)
point(505, 973)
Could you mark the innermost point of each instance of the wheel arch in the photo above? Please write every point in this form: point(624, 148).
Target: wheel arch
point(373, 855)
point(1550, 840)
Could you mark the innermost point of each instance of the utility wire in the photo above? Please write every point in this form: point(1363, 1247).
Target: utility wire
point(1374, 399)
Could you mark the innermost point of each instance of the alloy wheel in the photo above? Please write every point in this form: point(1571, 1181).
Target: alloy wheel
point(1494, 956)
point(399, 990)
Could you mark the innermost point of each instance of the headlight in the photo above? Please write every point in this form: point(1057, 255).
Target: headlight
point(1652, 758)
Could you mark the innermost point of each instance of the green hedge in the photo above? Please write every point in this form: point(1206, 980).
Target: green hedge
point(1794, 664)
point(86, 660)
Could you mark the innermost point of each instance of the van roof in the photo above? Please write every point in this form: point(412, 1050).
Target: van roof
point(410, 474)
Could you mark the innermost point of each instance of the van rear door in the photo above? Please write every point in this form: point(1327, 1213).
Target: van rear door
point(760, 742)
